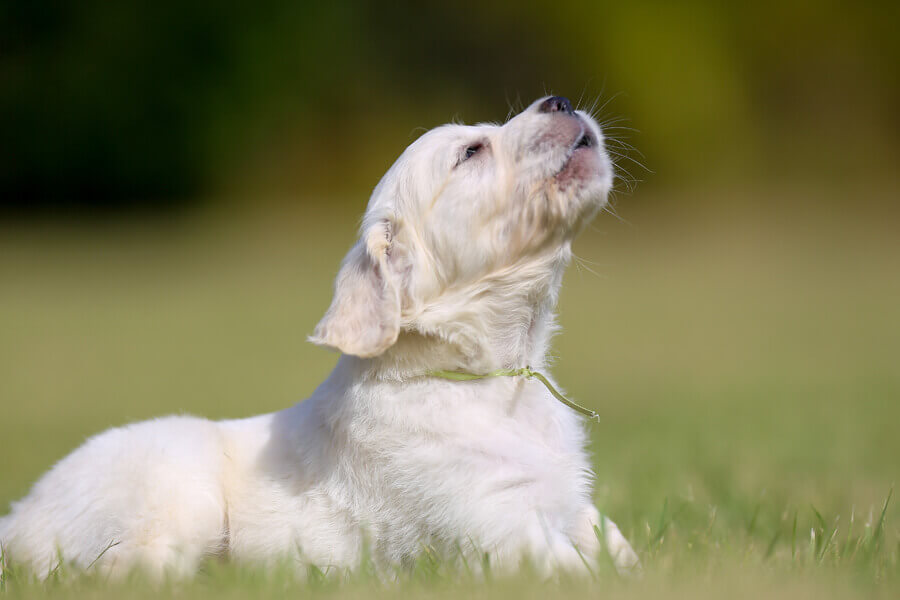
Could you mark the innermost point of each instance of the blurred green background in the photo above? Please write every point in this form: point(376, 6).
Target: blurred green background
point(160, 103)
point(179, 182)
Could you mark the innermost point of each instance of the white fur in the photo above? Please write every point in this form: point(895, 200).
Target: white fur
point(458, 267)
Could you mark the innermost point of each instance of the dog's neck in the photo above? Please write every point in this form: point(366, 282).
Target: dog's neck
point(503, 320)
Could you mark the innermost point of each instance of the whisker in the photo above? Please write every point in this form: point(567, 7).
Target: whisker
point(581, 95)
point(579, 264)
point(627, 145)
point(611, 120)
point(635, 161)
point(610, 209)
point(605, 104)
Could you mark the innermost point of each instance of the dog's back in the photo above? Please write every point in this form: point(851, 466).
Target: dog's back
point(147, 494)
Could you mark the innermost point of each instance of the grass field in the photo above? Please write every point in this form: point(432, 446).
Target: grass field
point(745, 360)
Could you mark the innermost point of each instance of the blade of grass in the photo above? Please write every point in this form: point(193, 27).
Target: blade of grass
point(878, 532)
point(794, 538)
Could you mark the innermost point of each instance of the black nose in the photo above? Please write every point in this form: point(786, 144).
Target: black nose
point(556, 104)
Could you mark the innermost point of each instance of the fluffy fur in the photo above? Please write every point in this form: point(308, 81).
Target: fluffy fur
point(458, 266)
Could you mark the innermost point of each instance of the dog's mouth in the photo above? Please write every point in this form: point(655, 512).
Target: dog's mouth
point(584, 143)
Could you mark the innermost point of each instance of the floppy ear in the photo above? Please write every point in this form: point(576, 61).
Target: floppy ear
point(364, 316)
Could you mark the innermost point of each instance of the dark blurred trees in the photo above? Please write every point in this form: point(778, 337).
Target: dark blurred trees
point(107, 104)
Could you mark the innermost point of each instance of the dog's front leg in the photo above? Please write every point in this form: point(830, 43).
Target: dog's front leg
point(586, 539)
point(552, 551)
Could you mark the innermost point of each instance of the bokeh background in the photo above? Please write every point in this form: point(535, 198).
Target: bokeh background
point(179, 181)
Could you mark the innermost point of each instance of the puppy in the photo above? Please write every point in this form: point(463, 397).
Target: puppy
point(458, 266)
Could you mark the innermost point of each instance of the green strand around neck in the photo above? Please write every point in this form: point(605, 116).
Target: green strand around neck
point(527, 373)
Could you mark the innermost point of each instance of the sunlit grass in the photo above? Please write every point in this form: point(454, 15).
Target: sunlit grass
point(744, 364)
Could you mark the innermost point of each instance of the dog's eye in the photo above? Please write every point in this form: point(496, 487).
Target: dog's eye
point(469, 151)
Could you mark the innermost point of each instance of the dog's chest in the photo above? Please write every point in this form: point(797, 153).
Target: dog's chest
point(405, 469)
point(439, 461)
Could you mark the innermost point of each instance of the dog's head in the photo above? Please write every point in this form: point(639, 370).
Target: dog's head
point(470, 224)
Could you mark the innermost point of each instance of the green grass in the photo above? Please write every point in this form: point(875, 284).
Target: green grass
point(745, 364)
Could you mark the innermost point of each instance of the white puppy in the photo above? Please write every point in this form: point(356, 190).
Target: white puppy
point(458, 266)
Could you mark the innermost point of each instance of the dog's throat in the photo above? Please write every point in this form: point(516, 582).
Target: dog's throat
point(527, 373)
